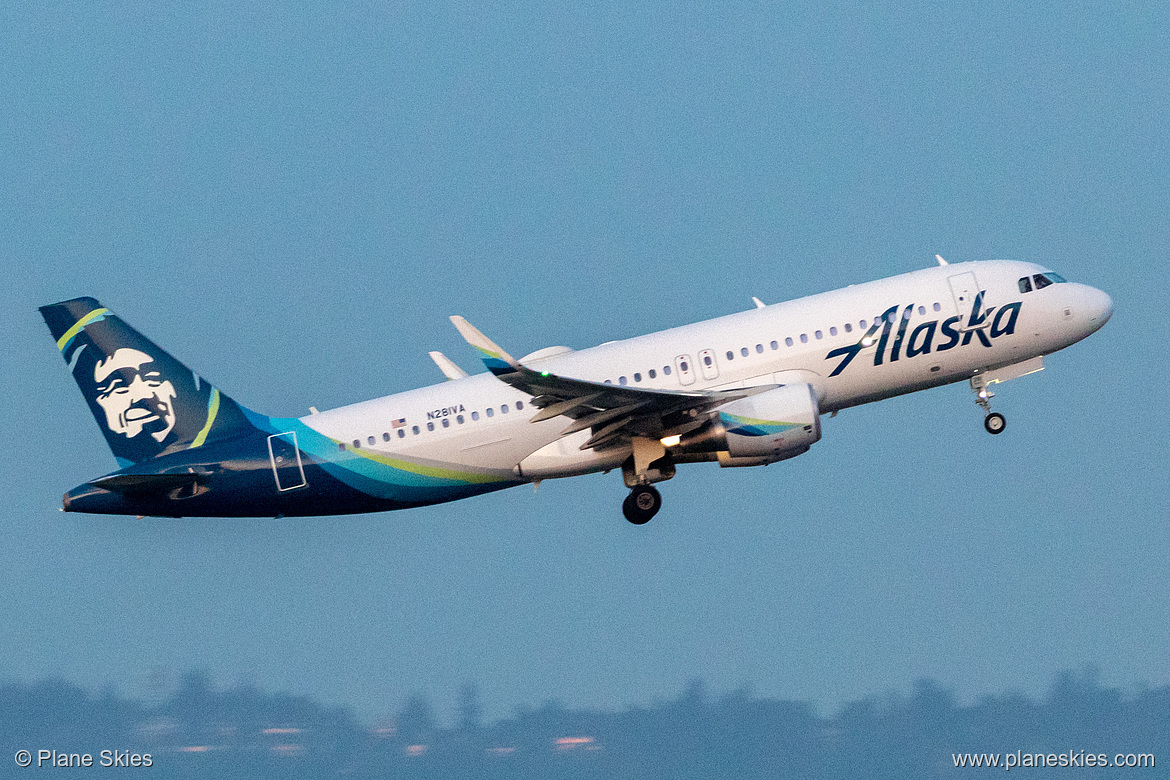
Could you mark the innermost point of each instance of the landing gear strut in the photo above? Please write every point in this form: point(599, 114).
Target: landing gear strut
point(994, 422)
point(649, 462)
point(642, 504)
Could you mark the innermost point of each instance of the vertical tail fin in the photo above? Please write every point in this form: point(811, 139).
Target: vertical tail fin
point(145, 401)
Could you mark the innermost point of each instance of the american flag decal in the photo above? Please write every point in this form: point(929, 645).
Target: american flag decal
point(399, 423)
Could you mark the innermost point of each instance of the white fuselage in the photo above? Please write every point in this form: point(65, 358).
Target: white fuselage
point(778, 344)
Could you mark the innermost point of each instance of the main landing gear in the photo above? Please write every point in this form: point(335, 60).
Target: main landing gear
point(649, 462)
point(994, 422)
point(642, 504)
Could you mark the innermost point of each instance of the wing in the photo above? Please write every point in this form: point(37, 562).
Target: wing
point(615, 414)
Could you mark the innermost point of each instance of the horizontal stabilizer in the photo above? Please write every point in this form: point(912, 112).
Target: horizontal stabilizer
point(146, 483)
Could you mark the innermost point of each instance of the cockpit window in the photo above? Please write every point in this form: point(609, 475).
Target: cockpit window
point(1043, 280)
point(1025, 285)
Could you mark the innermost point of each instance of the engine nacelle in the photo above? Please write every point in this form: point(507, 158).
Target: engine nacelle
point(761, 429)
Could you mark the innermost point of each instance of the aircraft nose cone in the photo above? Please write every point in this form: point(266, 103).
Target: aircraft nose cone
point(1101, 306)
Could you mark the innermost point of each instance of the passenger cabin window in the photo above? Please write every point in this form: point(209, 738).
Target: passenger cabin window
point(803, 338)
point(430, 426)
point(638, 376)
point(743, 351)
point(622, 380)
point(459, 419)
point(341, 446)
point(833, 331)
point(707, 360)
point(490, 411)
point(938, 307)
point(401, 433)
point(1025, 285)
point(520, 404)
point(730, 355)
point(759, 349)
point(504, 408)
point(370, 440)
point(666, 370)
point(414, 430)
point(446, 422)
point(848, 327)
point(653, 373)
point(475, 415)
point(775, 345)
point(386, 436)
point(357, 444)
point(788, 341)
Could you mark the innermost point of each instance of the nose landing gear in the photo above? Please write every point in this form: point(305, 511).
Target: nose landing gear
point(642, 504)
point(994, 422)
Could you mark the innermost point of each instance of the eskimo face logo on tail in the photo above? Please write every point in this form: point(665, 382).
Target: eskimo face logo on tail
point(134, 396)
point(981, 325)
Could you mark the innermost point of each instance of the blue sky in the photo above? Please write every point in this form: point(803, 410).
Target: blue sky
point(292, 199)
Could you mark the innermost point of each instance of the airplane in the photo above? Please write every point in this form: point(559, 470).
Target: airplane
point(745, 389)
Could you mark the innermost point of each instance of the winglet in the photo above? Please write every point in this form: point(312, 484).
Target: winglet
point(940, 260)
point(494, 357)
point(447, 366)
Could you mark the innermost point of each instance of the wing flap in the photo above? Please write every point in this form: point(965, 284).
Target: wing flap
point(603, 417)
point(551, 408)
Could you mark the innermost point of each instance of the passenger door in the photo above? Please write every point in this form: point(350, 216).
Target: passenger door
point(964, 288)
point(286, 461)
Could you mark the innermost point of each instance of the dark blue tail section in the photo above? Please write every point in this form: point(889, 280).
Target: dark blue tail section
point(146, 402)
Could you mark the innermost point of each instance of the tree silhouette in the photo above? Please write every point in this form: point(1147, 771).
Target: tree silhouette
point(243, 732)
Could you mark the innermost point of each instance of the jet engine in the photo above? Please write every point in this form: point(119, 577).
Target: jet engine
point(755, 431)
